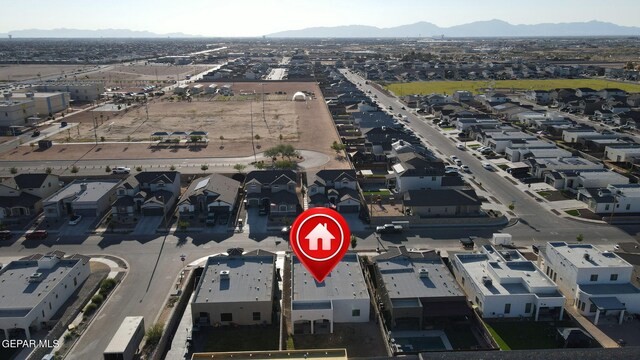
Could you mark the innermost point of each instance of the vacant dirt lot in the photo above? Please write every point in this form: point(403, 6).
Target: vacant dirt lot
point(305, 125)
point(26, 72)
point(118, 75)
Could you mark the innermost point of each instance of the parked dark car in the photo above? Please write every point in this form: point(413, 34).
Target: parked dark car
point(5, 235)
point(37, 235)
point(35, 133)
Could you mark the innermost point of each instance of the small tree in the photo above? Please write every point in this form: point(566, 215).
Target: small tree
point(154, 333)
point(354, 241)
point(204, 167)
point(14, 170)
point(257, 137)
point(48, 170)
point(338, 147)
point(172, 167)
point(580, 237)
point(239, 167)
point(74, 169)
point(107, 169)
point(221, 140)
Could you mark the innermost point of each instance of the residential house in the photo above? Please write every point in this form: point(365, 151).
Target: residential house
point(337, 189)
point(236, 289)
point(539, 167)
point(575, 180)
point(34, 289)
point(342, 297)
point(503, 283)
point(541, 97)
point(416, 289)
point(622, 153)
point(415, 172)
point(442, 203)
point(213, 196)
point(612, 199)
point(21, 196)
point(88, 197)
point(595, 282)
point(275, 190)
point(584, 92)
point(148, 193)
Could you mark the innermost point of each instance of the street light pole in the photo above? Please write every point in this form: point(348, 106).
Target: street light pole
point(255, 159)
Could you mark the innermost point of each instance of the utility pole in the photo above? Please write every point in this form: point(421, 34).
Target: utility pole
point(95, 129)
point(255, 159)
point(263, 116)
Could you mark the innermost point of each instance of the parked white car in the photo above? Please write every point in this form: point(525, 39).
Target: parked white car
point(121, 170)
point(460, 146)
point(487, 165)
point(75, 219)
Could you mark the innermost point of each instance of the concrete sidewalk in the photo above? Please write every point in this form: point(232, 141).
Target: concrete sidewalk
point(597, 334)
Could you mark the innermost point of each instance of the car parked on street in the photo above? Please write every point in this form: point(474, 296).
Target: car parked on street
point(36, 235)
point(75, 219)
point(389, 229)
point(121, 170)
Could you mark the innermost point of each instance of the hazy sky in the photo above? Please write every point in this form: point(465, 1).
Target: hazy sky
point(259, 17)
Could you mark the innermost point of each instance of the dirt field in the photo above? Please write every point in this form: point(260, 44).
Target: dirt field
point(305, 125)
point(119, 75)
point(26, 72)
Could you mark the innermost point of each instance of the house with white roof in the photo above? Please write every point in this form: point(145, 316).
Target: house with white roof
point(595, 282)
point(502, 283)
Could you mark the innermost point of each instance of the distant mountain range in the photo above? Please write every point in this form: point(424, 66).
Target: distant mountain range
point(491, 28)
point(100, 33)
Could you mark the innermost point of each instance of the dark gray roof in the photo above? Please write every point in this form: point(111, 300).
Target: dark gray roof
point(269, 176)
point(30, 181)
point(150, 177)
point(24, 199)
point(250, 279)
point(225, 187)
point(441, 197)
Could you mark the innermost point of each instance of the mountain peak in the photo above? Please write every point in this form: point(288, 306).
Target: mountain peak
point(482, 28)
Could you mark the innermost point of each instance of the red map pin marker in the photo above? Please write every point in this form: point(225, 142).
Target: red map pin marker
point(320, 238)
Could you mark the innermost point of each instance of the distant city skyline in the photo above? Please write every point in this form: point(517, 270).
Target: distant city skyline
point(257, 18)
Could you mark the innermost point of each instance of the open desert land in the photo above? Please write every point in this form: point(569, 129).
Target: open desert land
point(122, 75)
point(29, 72)
point(128, 135)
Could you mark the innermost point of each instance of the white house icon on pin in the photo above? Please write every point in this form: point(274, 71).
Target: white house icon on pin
point(320, 232)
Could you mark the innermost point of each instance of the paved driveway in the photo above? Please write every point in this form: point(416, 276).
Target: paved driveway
point(255, 223)
point(147, 225)
point(84, 226)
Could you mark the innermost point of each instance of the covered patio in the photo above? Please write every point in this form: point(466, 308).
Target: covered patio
point(607, 304)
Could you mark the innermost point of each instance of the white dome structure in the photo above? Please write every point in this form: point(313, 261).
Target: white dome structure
point(299, 96)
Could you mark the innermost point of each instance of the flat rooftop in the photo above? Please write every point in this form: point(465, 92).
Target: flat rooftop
point(18, 295)
point(586, 255)
point(250, 278)
point(508, 277)
point(345, 281)
point(401, 275)
point(95, 190)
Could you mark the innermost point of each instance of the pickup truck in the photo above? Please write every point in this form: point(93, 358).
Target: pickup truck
point(388, 229)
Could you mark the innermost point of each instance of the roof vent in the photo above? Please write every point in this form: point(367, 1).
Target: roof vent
point(224, 274)
point(487, 281)
point(35, 277)
point(587, 256)
point(423, 273)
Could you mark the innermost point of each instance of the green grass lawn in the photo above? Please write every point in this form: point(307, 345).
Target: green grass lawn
point(235, 339)
point(376, 193)
point(522, 335)
point(544, 193)
point(477, 86)
point(573, 212)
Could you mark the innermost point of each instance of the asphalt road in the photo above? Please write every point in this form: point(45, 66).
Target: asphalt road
point(154, 261)
point(535, 222)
